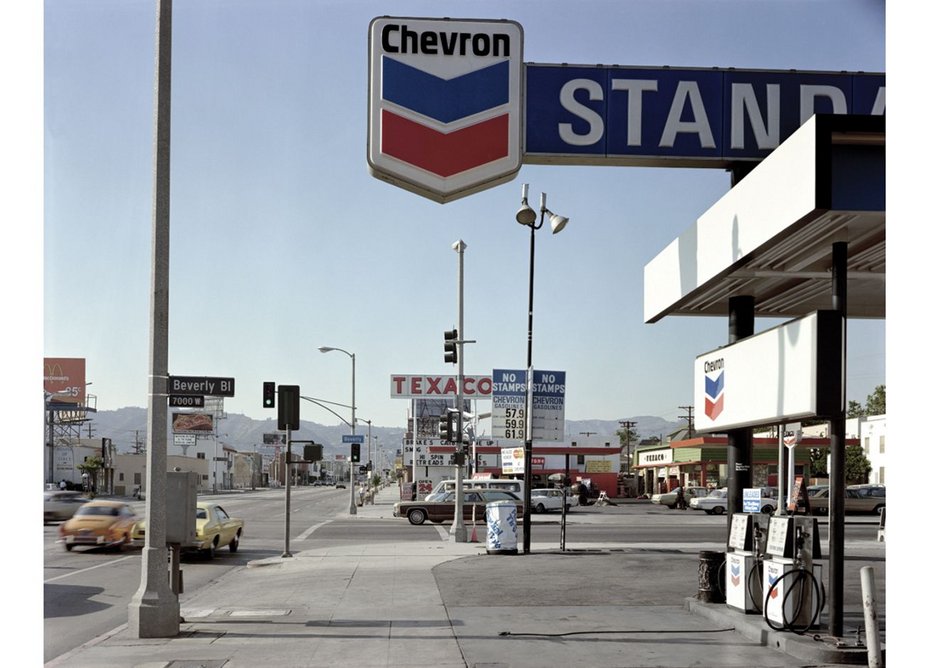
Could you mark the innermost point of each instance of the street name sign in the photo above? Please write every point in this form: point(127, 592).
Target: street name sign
point(352, 438)
point(184, 401)
point(201, 386)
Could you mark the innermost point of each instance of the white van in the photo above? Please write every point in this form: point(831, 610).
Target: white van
point(503, 484)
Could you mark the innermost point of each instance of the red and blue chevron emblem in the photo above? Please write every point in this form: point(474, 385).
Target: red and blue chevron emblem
point(735, 574)
point(715, 394)
point(445, 117)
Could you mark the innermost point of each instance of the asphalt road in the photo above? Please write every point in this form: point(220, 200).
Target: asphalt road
point(87, 591)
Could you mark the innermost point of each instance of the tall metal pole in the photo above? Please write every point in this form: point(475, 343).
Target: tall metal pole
point(153, 611)
point(457, 533)
point(837, 510)
point(289, 451)
point(529, 427)
point(353, 508)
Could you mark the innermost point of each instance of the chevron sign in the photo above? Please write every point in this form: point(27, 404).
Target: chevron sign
point(444, 104)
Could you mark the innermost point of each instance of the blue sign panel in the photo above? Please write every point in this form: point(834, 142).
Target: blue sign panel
point(352, 438)
point(680, 117)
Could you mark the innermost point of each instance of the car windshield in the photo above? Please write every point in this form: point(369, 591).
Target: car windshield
point(719, 493)
point(98, 510)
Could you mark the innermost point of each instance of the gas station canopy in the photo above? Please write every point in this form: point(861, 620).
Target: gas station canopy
point(771, 236)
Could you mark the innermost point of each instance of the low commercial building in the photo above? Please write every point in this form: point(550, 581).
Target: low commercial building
point(130, 472)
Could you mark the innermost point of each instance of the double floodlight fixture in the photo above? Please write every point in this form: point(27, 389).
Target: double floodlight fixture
point(527, 216)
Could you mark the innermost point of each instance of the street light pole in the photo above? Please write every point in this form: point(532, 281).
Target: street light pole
point(352, 508)
point(527, 216)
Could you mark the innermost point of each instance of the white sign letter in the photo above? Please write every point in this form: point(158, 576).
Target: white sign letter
point(700, 123)
point(635, 88)
point(567, 99)
point(808, 94)
point(767, 135)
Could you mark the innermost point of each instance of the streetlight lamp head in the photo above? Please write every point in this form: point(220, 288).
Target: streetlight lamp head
point(325, 349)
point(557, 223)
point(525, 215)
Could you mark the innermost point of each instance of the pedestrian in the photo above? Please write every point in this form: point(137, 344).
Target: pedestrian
point(681, 499)
point(63, 485)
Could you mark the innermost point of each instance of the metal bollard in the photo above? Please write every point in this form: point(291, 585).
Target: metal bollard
point(711, 564)
point(872, 640)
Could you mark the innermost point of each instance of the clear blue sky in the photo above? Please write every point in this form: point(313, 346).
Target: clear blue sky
point(282, 242)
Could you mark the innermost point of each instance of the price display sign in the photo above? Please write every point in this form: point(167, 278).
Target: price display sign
point(508, 404)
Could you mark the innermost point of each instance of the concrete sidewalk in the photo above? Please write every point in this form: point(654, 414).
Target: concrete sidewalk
point(441, 603)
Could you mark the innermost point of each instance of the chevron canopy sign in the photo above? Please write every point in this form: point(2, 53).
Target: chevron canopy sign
point(444, 104)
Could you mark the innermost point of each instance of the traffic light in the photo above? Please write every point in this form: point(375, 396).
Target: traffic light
point(288, 413)
point(270, 395)
point(450, 346)
point(355, 453)
point(445, 427)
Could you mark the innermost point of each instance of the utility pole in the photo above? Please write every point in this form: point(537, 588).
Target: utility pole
point(688, 417)
point(626, 427)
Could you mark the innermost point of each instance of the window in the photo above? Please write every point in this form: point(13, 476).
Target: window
point(120, 477)
point(881, 475)
point(865, 444)
point(200, 455)
point(136, 478)
point(881, 445)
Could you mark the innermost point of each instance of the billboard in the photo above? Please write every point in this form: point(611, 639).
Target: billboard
point(403, 386)
point(780, 375)
point(198, 423)
point(63, 379)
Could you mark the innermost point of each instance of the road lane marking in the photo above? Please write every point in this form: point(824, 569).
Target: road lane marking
point(305, 534)
point(90, 568)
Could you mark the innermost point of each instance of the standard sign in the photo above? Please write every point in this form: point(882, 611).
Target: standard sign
point(444, 104)
point(508, 401)
point(353, 438)
point(427, 386)
point(201, 386)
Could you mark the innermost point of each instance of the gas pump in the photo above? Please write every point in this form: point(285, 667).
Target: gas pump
point(793, 593)
point(748, 536)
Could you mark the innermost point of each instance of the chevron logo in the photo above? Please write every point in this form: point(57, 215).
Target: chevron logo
point(735, 574)
point(444, 104)
point(714, 394)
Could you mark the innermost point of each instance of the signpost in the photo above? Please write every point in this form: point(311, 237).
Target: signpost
point(508, 404)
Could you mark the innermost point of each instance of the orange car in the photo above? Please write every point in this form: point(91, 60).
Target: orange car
point(99, 523)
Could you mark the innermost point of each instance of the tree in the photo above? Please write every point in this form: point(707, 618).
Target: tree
point(875, 402)
point(91, 466)
point(818, 461)
point(854, 410)
point(857, 465)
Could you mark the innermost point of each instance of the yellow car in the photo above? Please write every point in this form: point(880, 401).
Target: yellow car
point(214, 529)
point(99, 523)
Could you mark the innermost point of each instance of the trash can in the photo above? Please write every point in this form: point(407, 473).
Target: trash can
point(711, 567)
point(501, 518)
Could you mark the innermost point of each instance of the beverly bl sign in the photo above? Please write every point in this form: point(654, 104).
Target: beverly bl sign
point(201, 386)
point(453, 109)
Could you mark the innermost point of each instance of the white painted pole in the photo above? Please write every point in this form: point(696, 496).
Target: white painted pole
point(872, 639)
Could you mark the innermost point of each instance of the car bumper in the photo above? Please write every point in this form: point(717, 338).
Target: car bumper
point(88, 539)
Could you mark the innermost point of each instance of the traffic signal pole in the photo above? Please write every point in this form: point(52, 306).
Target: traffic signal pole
point(458, 534)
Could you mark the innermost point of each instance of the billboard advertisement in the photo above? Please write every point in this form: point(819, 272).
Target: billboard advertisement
point(199, 423)
point(63, 379)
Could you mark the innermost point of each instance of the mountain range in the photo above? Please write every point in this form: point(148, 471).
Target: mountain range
point(127, 427)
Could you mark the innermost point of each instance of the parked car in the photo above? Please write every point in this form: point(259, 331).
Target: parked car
point(716, 502)
point(858, 499)
point(443, 510)
point(550, 498)
point(669, 499)
point(214, 529)
point(60, 505)
point(99, 523)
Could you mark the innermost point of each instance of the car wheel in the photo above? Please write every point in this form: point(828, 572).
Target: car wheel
point(568, 506)
point(235, 542)
point(68, 547)
point(878, 510)
point(417, 516)
point(209, 553)
point(539, 508)
point(718, 510)
point(767, 510)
